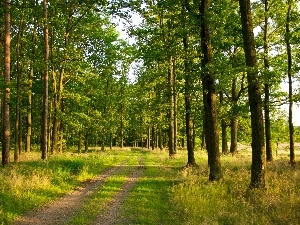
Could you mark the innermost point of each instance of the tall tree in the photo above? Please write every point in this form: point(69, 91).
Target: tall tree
point(187, 95)
point(258, 168)
point(44, 135)
point(209, 96)
point(6, 91)
point(290, 79)
point(267, 83)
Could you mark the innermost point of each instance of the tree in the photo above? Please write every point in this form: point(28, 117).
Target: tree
point(290, 75)
point(209, 96)
point(44, 136)
point(6, 90)
point(258, 167)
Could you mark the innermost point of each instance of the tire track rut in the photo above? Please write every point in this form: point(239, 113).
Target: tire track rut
point(59, 211)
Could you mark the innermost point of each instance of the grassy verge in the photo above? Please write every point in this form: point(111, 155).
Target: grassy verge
point(166, 193)
point(33, 182)
point(228, 202)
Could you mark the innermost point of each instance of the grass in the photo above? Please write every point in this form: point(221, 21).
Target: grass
point(166, 193)
point(228, 202)
point(33, 182)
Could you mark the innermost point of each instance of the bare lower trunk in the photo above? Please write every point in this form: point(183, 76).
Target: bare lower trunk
point(6, 92)
point(289, 58)
point(209, 98)
point(258, 167)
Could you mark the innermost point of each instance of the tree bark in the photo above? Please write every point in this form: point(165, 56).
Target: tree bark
point(224, 130)
point(258, 167)
point(29, 100)
point(234, 119)
point(188, 105)
point(44, 136)
point(209, 97)
point(6, 91)
point(171, 142)
point(267, 86)
point(18, 125)
point(290, 80)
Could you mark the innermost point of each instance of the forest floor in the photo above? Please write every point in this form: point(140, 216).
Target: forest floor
point(138, 186)
point(62, 210)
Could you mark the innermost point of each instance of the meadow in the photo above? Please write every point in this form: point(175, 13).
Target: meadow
point(166, 192)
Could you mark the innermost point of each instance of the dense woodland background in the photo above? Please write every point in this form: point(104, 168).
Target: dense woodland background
point(68, 79)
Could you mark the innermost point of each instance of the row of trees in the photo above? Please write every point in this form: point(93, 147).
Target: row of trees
point(200, 50)
point(66, 76)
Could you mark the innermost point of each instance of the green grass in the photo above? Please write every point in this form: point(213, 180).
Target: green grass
point(229, 202)
point(33, 182)
point(166, 192)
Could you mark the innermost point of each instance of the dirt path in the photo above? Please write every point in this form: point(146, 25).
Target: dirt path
point(112, 213)
point(62, 210)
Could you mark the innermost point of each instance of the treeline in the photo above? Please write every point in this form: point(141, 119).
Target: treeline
point(202, 75)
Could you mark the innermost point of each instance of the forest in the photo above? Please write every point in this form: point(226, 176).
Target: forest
point(190, 81)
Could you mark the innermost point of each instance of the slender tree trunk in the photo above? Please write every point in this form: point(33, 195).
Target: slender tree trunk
point(29, 100)
point(44, 143)
point(86, 142)
point(79, 142)
point(209, 98)
point(171, 142)
point(267, 86)
point(234, 136)
point(175, 108)
point(188, 104)
point(290, 80)
point(153, 137)
point(234, 119)
point(18, 127)
point(258, 168)
point(224, 129)
point(6, 91)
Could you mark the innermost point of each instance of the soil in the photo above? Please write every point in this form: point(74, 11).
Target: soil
point(62, 210)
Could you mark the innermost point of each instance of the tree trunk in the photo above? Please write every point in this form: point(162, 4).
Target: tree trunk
point(234, 119)
point(188, 104)
point(258, 168)
point(224, 129)
point(6, 91)
point(86, 142)
point(44, 142)
point(290, 80)
point(29, 100)
point(18, 127)
point(209, 98)
point(267, 87)
point(171, 142)
point(234, 136)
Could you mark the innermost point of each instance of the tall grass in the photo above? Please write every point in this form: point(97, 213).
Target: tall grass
point(229, 202)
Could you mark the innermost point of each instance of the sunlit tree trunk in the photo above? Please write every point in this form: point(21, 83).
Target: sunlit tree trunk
point(258, 167)
point(234, 119)
point(6, 91)
point(18, 124)
point(171, 142)
point(209, 97)
point(30, 86)
point(188, 104)
point(290, 80)
point(44, 136)
point(224, 129)
point(267, 86)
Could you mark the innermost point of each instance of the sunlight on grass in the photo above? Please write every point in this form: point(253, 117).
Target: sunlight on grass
point(33, 182)
point(229, 202)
